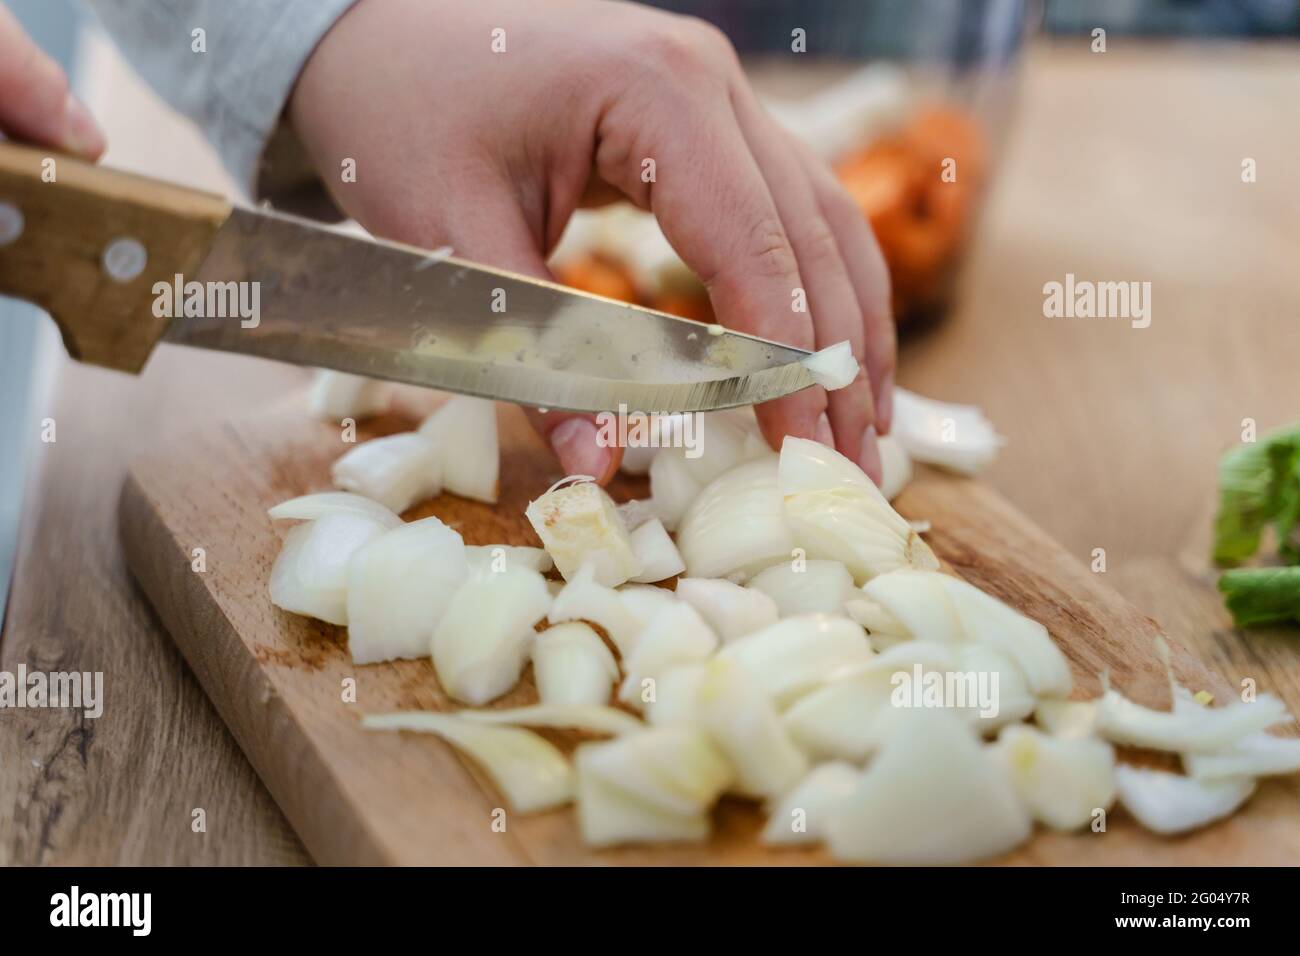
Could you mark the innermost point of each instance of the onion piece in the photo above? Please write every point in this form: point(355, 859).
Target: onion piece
point(833, 367)
point(881, 626)
point(339, 395)
point(932, 795)
point(529, 771)
point(658, 555)
point(857, 528)
point(311, 507)
point(498, 558)
point(919, 603)
point(957, 437)
point(645, 601)
point(465, 430)
point(1013, 699)
point(310, 574)
point(1259, 755)
point(1167, 803)
point(811, 587)
point(895, 467)
point(811, 466)
point(636, 512)
point(736, 713)
point(793, 656)
point(1068, 719)
point(482, 642)
point(578, 524)
point(672, 489)
point(637, 459)
point(594, 719)
point(1062, 781)
point(801, 815)
point(399, 587)
point(584, 599)
point(397, 471)
point(719, 446)
point(572, 666)
point(609, 816)
point(737, 524)
point(677, 635)
point(731, 610)
point(1198, 730)
point(677, 695)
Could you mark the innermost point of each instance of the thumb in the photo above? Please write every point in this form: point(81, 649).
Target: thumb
point(35, 104)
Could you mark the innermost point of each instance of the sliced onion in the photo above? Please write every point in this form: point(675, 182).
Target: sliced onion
point(465, 430)
point(1259, 755)
point(530, 772)
point(399, 586)
point(578, 524)
point(339, 395)
point(736, 525)
point(658, 555)
point(593, 719)
point(918, 601)
point(957, 437)
point(832, 368)
point(719, 446)
point(736, 713)
point(584, 599)
point(1014, 701)
point(496, 558)
point(793, 656)
point(311, 507)
point(857, 528)
point(572, 666)
point(801, 815)
point(609, 816)
point(677, 695)
point(636, 512)
point(310, 574)
point(482, 642)
point(811, 466)
point(895, 467)
point(1069, 719)
point(677, 635)
point(645, 601)
point(1199, 730)
point(672, 489)
point(731, 610)
point(883, 628)
point(397, 471)
point(1062, 781)
point(1168, 803)
point(931, 796)
point(674, 770)
point(810, 587)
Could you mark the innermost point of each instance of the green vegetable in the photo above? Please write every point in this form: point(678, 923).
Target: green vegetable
point(1259, 483)
point(1262, 595)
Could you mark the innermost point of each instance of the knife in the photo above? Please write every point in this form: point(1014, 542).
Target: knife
point(123, 262)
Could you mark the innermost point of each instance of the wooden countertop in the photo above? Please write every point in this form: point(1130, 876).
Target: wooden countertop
point(1123, 166)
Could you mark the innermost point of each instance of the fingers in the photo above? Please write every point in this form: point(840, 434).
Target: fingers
point(35, 104)
point(830, 297)
point(870, 277)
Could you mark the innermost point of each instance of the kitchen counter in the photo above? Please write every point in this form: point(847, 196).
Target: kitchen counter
point(1124, 166)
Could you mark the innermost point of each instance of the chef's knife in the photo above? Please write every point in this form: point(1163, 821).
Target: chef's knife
point(122, 262)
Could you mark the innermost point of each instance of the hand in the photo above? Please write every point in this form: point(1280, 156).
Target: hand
point(491, 152)
point(35, 105)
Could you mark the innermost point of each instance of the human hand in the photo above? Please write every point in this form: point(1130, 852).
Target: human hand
point(35, 104)
point(491, 152)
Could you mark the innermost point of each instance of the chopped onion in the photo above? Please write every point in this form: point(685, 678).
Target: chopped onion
point(465, 430)
point(1069, 719)
point(932, 795)
point(645, 601)
point(883, 628)
point(719, 447)
point(1014, 700)
point(399, 586)
point(731, 610)
point(811, 466)
point(658, 555)
point(311, 507)
point(636, 512)
point(572, 666)
point(310, 574)
point(339, 395)
point(583, 599)
point(677, 635)
point(793, 656)
point(1193, 730)
point(482, 642)
point(957, 437)
point(593, 719)
point(578, 524)
point(1168, 803)
point(397, 470)
point(736, 713)
point(672, 489)
point(896, 469)
point(496, 558)
point(808, 588)
point(677, 695)
point(1259, 755)
point(530, 772)
point(853, 527)
point(736, 525)
point(608, 816)
point(833, 367)
point(918, 602)
point(801, 815)
point(1062, 781)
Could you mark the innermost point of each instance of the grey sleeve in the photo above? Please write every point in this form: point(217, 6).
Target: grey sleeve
point(235, 87)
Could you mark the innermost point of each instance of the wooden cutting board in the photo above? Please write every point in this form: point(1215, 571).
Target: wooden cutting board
point(362, 797)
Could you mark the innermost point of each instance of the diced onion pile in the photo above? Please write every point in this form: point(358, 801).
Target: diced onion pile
point(812, 657)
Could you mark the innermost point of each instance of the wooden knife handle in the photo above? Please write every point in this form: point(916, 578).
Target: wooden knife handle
point(88, 244)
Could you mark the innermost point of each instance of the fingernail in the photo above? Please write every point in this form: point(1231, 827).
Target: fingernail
point(823, 431)
point(81, 134)
point(885, 405)
point(574, 442)
point(869, 459)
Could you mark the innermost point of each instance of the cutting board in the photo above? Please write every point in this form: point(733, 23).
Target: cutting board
point(280, 681)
